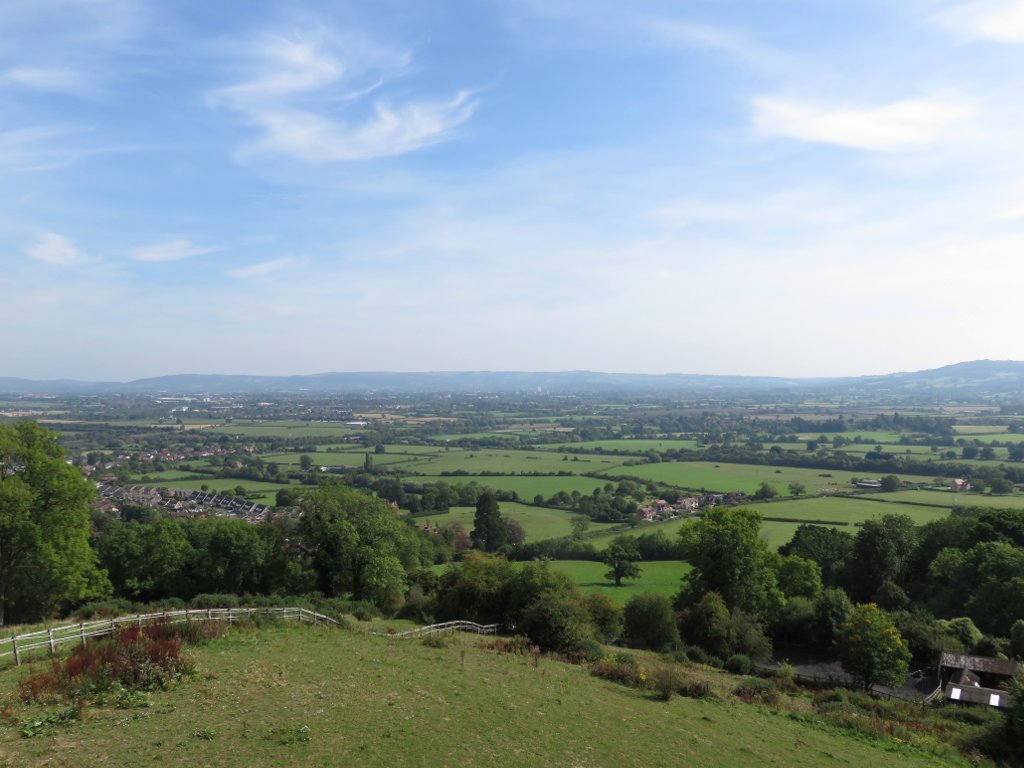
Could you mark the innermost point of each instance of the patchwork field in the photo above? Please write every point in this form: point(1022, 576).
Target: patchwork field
point(662, 577)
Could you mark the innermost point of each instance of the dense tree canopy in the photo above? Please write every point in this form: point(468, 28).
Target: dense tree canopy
point(45, 557)
point(728, 556)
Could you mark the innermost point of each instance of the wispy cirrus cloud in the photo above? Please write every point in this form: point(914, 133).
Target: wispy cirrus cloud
point(171, 250)
point(911, 124)
point(51, 79)
point(302, 86)
point(263, 268)
point(57, 250)
point(998, 20)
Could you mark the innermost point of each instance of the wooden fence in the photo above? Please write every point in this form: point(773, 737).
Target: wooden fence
point(445, 628)
point(50, 639)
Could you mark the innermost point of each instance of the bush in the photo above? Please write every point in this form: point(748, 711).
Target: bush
point(620, 670)
point(557, 622)
point(695, 689)
point(101, 609)
point(605, 615)
point(666, 680)
point(650, 622)
point(436, 641)
point(134, 658)
point(696, 654)
point(754, 690)
point(215, 601)
point(738, 664)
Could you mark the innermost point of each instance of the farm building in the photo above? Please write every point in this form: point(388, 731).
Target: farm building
point(977, 679)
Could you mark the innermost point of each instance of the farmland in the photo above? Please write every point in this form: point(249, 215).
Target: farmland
point(538, 522)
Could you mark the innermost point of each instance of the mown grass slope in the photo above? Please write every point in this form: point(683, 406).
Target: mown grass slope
point(319, 697)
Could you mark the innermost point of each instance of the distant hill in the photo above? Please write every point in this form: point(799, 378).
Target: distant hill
point(976, 379)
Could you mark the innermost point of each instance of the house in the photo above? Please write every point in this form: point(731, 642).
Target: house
point(871, 485)
point(958, 485)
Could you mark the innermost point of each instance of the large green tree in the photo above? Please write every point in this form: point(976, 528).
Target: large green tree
point(621, 557)
point(488, 532)
point(729, 557)
point(871, 649)
point(45, 557)
point(358, 545)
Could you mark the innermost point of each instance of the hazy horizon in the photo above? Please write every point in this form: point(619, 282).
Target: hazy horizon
point(797, 190)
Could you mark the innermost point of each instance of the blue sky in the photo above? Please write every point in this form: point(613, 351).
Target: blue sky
point(796, 187)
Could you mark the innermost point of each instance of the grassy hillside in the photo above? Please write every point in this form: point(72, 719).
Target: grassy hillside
point(317, 696)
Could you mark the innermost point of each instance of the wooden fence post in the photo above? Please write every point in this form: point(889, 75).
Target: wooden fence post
point(81, 632)
point(49, 637)
point(17, 653)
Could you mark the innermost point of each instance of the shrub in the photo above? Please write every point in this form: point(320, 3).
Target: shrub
point(103, 609)
point(605, 615)
point(134, 658)
point(754, 690)
point(785, 674)
point(626, 672)
point(436, 641)
point(215, 601)
point(650, 622)
point(695, 689)
point(696, 654)
point(738, 664)
point(666, 679)
point(557, 622)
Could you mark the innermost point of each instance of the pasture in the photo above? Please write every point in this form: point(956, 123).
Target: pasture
point(316, 696)
point(538, 522)
point(724, 478)
point(626, 446)
point(661, 576)
point(949, 500)
point(525, 486)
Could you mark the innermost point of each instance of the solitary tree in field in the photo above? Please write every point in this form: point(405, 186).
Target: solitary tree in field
point(621, 557)
point(797, 489)
point(765, 491)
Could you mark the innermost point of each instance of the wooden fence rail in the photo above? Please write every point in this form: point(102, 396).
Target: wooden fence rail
point(445, 628)
point(53, 637)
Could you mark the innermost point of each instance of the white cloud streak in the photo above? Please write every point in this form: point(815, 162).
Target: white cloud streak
point(297, 88)
point(55, 249)
point(172, 250)
point(263, 268)
point(911, 124)
point(54, 79)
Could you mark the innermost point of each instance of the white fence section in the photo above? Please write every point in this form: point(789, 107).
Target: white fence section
point(445, 628)
point(50, 639)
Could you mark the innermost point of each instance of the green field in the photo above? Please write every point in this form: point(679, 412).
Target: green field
point(486, 461)
point(656, 576)
point(846, 510)
point(315, 696)
point(337, 459)
point(774, 533)
point(538, 522)
point(527, 487)
point(947, 499)
point(725, 478)
point(627, 446)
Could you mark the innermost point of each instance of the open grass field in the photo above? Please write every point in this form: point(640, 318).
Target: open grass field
point(947, 499)
point(350, 458)
point(773, 532)
point(846, 510)
point(627, 446)
point(662, 577)
point(538, 522)
point(527, 487)
point(290, 697)
point(746, 477)
point(867, 436)
point(483, 462)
